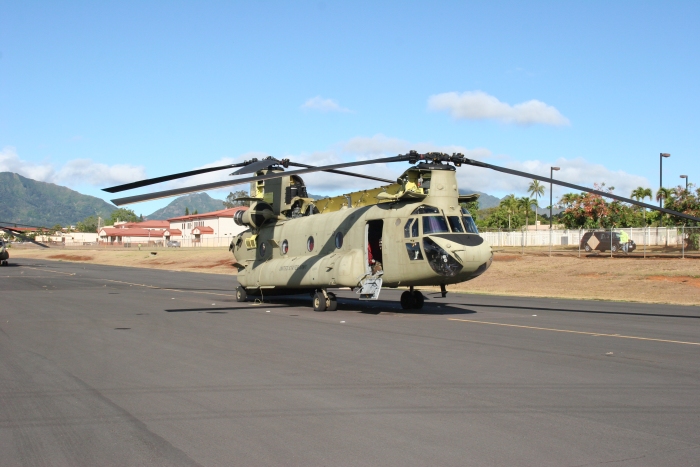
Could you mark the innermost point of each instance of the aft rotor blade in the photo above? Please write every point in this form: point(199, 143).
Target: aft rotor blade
point(23, 237)
point(578, 187)
point(165, 178)
point(227, 183)
point(342, 172)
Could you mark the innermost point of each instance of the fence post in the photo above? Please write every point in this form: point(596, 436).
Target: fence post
point(579, 243)
point(645, 241)
point(683, 242)
point(611, 238)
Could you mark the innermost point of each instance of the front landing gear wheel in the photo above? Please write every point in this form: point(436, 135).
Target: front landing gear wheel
point(319, 301)
point(408, 301)
point(241, 294)
point(418, 300)
point(331, 302)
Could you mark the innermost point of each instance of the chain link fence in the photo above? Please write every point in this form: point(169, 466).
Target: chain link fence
point(644, 241)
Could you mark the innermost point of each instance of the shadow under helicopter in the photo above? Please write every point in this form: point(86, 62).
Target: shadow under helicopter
point(374, 307)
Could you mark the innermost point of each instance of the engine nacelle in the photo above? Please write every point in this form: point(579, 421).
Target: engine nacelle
point(255, 217)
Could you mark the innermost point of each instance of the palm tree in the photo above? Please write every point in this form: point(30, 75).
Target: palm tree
point(511, 206)
point(525, 203)
point(664, 194)
point(641, 193)
point(536, 189)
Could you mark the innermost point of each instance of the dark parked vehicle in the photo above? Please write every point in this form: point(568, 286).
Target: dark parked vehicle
point(601, 241)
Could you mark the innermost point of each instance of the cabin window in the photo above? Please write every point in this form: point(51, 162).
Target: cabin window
point(423, 209)
point(455, 224)
point(339, 240)
point(414, 252)
point(434, 224)
point(262, 249)
point(285, 247)
point(310, 244)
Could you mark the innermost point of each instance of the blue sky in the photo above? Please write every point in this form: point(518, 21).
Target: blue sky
point(98, 93)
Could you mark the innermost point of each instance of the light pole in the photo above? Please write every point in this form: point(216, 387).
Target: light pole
point(686, 181)
point(661, 173)
point(551, 172)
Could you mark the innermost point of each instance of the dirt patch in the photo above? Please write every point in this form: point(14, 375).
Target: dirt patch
point(506, 257)
point(227, 263)
point(687, 280)
point(72, 257)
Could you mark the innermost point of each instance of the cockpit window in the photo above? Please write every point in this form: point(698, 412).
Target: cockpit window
point(470, 224)
point(407, 228)
point(469, 221)
point(423, 209)
point(455, 224)
point(434, 224)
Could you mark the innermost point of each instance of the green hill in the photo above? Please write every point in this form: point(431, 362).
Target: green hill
point(27, 201)
point(201, 202)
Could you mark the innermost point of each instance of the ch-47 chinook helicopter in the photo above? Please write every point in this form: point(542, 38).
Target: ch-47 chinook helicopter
point(408, 233)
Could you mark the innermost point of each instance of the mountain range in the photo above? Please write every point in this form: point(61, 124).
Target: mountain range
point(27, 201)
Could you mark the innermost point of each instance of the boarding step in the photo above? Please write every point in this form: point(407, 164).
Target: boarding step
point(371, 287)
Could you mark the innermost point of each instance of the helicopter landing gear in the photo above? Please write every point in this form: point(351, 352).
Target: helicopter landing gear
point(331, 302)
point(325, 301)
point(3, 263)
point(412, 300)
point(319, 301)
point(241, 294)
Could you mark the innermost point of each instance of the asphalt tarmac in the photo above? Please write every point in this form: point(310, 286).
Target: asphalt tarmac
point(110, 366)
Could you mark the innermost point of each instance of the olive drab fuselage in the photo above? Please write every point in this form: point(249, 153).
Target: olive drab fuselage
point(416, 242)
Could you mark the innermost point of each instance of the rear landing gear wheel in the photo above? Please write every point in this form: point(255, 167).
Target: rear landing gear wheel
point(408, 301)
point(241, 294)
point(319, 301)
point(418, 300)
point(331, 302)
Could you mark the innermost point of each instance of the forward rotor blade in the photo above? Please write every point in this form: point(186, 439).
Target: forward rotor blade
point(342, 172)
point(165, 178)
point(226, 183)
point(578, 187)
point(23, 237)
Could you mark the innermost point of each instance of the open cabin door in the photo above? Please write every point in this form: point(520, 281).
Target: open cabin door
point(374, 266)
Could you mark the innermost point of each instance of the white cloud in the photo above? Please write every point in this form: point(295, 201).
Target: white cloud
point(477, 105)
point(73, 173)
point(320, 104)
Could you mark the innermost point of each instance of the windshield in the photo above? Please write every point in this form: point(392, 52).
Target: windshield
point(455, 224)
point(434, 224)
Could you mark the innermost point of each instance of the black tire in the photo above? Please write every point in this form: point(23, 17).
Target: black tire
point(319, 301)
point(613, 248)
point(407, 301)
point(587, 248)
point(241, 294)
point(418, 300)
point(331, 302)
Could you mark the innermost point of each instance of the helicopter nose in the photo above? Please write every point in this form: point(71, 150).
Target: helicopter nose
point(470, 250)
